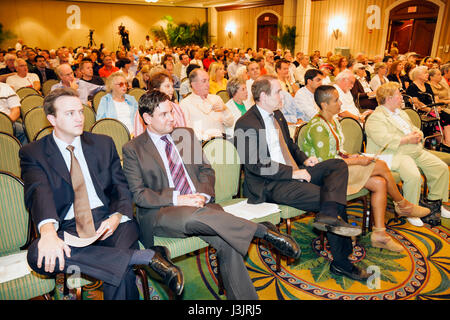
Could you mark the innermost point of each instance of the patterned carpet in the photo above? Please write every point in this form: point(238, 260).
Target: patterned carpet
point(420, 272)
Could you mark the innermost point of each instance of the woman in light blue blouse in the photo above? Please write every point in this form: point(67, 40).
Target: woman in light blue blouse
point(117, 104)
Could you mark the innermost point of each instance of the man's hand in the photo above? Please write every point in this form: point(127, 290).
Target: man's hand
point(311, 162)
point(301, 174)
point(109, 225)
point(192, 200)
point(74, 85)
point(50, 248)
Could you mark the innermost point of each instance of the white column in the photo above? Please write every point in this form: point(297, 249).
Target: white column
point(303, 23)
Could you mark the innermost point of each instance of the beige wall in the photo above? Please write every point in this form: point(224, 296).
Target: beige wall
point(357, 36)
point(245, 20)
point(43, 22)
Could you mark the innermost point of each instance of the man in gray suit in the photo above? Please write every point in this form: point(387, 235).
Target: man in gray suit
point(173, 188)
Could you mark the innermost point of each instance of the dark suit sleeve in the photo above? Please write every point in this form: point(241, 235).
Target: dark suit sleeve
point(143, 196)
point(38, 194)
point(252, 149)
point(118, 192)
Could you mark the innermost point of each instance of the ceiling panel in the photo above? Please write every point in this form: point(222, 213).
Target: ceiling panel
point(183, 3)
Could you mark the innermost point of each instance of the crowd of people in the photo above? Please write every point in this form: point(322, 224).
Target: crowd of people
point(269, 92)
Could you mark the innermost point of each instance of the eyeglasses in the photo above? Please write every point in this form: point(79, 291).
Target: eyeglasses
point(121, 84)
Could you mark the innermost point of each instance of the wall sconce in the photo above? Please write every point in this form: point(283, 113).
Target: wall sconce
point(230, 28)
point(337, 26)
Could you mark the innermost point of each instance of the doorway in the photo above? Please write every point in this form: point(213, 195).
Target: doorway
point(266, 28)
point(412, 25)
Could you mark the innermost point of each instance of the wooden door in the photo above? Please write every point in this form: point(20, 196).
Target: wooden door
point(266, 28)
point(421, 41)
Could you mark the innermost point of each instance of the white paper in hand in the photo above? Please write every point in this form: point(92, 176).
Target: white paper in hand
point(75, 241)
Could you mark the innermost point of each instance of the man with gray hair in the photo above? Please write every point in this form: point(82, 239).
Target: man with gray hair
point(23, 78)
point(344, 82)
point(68, 80)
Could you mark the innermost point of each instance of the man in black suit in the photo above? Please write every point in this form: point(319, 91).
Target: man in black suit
point(74, 183)
point(42, 71)
point(276, 170)
point(173, 188)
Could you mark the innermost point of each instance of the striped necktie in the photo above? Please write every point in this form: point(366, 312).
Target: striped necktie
point(176, 168)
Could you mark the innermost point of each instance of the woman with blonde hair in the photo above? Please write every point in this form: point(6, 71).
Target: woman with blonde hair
point(117, 104)
point(141, 79)
point(217, 81)
point(380, 70)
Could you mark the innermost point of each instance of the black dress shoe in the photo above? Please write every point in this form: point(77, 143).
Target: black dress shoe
point(163, 266)
point(434, 218)
point(284, 243)
point(444, 148)
point(355, 274)
point(335, 225)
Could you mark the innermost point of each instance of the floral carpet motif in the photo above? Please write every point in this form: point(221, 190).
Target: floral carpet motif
point(420, 272)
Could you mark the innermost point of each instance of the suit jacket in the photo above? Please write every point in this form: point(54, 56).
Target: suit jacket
point(49, 73)
point(251, 143)
point(48, 188)
point(381, 128)
point(147, 177)
point(364, 101)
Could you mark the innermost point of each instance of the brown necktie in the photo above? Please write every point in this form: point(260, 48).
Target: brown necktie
point(283, 146)
point(82, 209)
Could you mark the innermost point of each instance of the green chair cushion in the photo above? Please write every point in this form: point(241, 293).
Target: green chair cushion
point(27, 287)
point(180, 246)
point(361, 193)
point(288, 212)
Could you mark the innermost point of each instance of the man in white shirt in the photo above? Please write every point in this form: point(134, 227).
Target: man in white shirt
point(270, 63)
point(234, 66)
point(148, 42)
point(99, 206)
point(23, 78)
point(253, 72)
point(205, 113)
point(10, 105)
point(287, 83)
point(344, 82)
point(304, 97)
point(299, 73)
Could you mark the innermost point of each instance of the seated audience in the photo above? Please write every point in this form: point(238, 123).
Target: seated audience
point(84, 88)
point(233, 66)
point(217, 80)
point(379, 76)
point(142, 78)
point(341, 65)
point(390, 126)
point(108, 67)
point(238, 105)
point(168, 65)
point(396, 74)
point(301, 70)
point(23, 78)
point(87, 73)
point(174, 196)
point(205, 113)
point(287, 83)
point(324, 140)
point(277, 171)
point(253, 72)
point(185, 87)
point(117, 104)
point(304, 98)
point(161, 81)
point(361, 91)
point(422, 95)
point(344, 82)
point(440, 87)
point(42, 71)
point(124, 65)
point(10, 105)
point(80, 189)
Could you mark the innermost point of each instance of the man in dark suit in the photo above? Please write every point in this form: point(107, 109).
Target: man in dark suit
point(173, 188)
point(74, 183)
point(42, 71)
point(276, 170)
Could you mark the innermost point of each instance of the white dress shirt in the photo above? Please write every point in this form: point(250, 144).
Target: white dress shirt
point(161, 147)
point(201, 117)
point(273, 142)
point(94, 200)
point(304, 99)
point(403, 125)
point(348, 104)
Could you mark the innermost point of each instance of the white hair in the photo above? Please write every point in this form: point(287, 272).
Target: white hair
point(346, 74)
point(414, 72)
